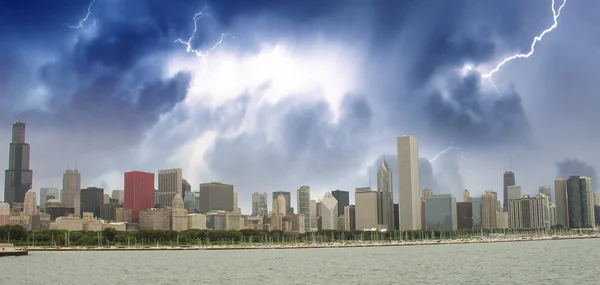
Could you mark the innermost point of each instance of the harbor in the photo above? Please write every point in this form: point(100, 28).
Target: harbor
point(7, 249)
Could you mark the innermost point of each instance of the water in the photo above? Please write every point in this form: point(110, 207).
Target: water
point(541, 262)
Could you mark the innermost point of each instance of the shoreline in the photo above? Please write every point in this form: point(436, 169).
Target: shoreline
point(305, 246)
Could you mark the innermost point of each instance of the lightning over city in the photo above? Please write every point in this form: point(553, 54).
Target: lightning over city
point(201, 53)
point(537, 39)
point(82, 21)
point(446, 151)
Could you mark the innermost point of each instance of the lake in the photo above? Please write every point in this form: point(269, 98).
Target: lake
point(539, 262)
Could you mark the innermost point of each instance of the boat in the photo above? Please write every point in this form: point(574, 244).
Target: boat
point(7, 249)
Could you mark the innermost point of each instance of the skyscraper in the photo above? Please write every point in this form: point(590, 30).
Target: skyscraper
point(303, 205)
point(92, 199)
point(440, 212)
point(343, 198)
point(580, 204)
point(259, 204)
point(30, 203)
point(546, 190)
point(408, 183)
point(509, 180)
point(488, 209)
point(71, 188)
point(329, 212)
point(385, 196)
point(288, 206)
point(139, 192)
point(562, 207)
point(466, 196)
point(216, 196)
point(170, 183)
point(18, 177)
point(47, 194)
point(365, 208)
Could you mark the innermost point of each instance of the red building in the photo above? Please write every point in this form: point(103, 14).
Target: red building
point(139, 192)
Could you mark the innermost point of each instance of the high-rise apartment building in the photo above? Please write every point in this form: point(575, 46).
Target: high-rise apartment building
point(440, 212)
point(329, 212)
point(514, 192)
point(259, 204)
point(385, 196)
point(47, 194)
point(170, 183)
point(71, 186)
point(580, 204)
point(288, 199)
point(92, 199)
point(365, 208)
point(488, 209)
point(509, 180)
point(529, 212)
point(303, 205)
point(476, 211)
point(343, 198)
point(279, 206)
point(562, 207)
point(408, 183)
point(350, 218)
point(546, 190)
point(464, 215)
point(18, 177)
point(216, 196)
point(139, 193)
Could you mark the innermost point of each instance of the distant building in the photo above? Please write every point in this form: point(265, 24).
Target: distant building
point(426, 193)
point(216, 196)
point(476, 204)
point(466, 196)
point(560, 196)
point(514, 192)
point(365, 208)
point(385, 196)
point(488, 209)
point(47, 194)
point(509, 180)
point(179, 218)
point(170, 183)
point(502, 220)
point(157, 219)
point(580, 204)
point(55, 209)
point(313, 215)
point(440, 212)
point(18, 177)
point(350, 218)
point(288, 205)
point(120, 194)
point(408, 183)
point(223, 220)
point(196, 221)
point(71, 188)
point(529, 212)
point(546, 190)
point(343, 198)
point(30, 204)
point(92, 199)
point(259, 204)
point(464, 215)
point(124, 215)
point(303, 205)
point(329, 212)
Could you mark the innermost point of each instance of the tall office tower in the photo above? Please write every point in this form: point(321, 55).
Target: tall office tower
point(30, 203)
point(509, 180)
point(476, 210)
point(514, 192)
point(279, 206)
point(350, 218)
point(119, 195)
point(185, 187)
point(440, 212)
point(343, 198)
point(466, 196)
point(259, 204)
point(303, 205)
point(71, 188)
point(580, 205)
point(178, 214)
point(464, 215)
point(408, 183)
point(18, 177)
point(92, 199)
point(488, 209)
point(106, 199)
point(313, 215)
point(288, 199)
point(139, 193)
point(365, 208)
point(170, 183)
point(562, 207)
point(216, 196)
point(329, 212)
point(546, 190)
point(385, 196)
point(47, 194)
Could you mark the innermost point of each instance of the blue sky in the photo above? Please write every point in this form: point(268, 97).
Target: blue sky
point(302, 92)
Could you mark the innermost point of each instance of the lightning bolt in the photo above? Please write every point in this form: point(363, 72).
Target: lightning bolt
point(89, 11)
point(201, 53)
point(444, 152)
point(532, 48)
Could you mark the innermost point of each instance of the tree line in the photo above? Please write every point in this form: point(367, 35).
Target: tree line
point(19, 236)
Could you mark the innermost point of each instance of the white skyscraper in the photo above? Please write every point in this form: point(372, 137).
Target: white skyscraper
point(329, 212)
point(408, 183)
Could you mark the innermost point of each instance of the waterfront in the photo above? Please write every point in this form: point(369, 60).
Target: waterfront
point(543, 262)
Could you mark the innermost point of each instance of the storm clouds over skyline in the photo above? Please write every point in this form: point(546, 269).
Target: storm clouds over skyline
point(305, 93)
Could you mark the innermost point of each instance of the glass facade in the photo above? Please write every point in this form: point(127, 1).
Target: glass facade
point(440, 212)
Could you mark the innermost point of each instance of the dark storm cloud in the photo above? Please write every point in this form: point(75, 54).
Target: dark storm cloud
point(573, 166)
point(307, 147)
